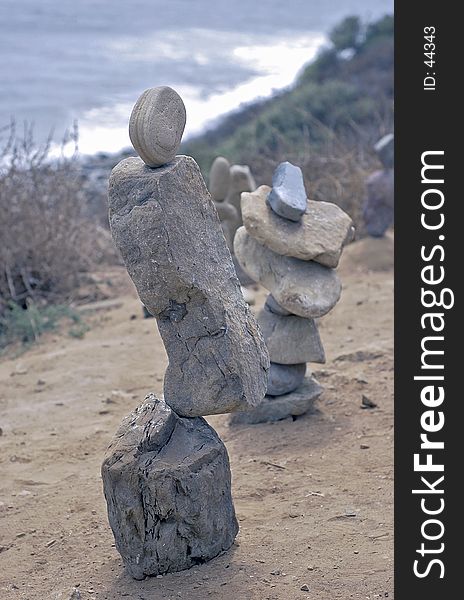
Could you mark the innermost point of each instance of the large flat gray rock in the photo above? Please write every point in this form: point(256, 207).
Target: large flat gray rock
point(306, 289)
point(277, 408)
point(167, 230)
point(290, 339)
point(320, 235)
point(166, 481)
point(288, 196)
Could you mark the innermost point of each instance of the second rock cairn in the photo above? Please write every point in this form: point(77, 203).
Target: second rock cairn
point(291, 246)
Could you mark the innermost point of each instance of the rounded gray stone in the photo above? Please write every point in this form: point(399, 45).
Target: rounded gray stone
point(306, 289)
point(275, 307)
point(288, 196)
point(156, 125)
point(283, 379)
point(276, 408)
point(167, 485)
point(219, 178)
point(290, 339)
point(320, 235)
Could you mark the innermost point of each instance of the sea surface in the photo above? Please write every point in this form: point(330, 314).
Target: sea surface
point(89, 60)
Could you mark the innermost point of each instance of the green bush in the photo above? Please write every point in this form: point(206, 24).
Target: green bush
point(26, 325)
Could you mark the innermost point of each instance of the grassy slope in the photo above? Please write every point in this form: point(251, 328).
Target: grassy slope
point(326, 123)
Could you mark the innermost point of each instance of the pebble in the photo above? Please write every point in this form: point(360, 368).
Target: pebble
point(156, 125)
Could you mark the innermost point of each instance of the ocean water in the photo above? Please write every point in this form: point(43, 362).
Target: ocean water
point(89, 60)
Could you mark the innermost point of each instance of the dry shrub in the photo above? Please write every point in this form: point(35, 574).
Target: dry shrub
point(47, 239)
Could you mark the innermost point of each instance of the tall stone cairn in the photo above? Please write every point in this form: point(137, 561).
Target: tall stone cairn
point(166, 474)
point(291, 246)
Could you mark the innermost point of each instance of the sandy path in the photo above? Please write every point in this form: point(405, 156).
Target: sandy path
point(314, 496)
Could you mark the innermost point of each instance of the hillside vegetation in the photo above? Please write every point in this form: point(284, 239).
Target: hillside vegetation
point(53, 224)
point(327, 122)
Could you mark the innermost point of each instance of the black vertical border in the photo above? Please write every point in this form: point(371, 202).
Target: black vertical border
point(427, 120)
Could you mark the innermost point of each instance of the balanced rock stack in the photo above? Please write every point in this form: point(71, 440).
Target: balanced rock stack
point(379, 207)
point(166, 474)
point(291, 245)
point(226, 184)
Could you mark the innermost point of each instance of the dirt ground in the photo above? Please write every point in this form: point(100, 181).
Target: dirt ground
point(314, 496)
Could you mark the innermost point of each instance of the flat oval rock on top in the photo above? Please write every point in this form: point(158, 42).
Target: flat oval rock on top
point(288, 196)
point(306, 289)
point(320, 235)
point(156, 125)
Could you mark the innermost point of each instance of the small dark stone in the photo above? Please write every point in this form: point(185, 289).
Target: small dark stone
point(367, 403)
point(288, 196)
point(146, 313)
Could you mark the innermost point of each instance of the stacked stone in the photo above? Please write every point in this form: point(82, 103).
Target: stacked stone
point(291, 246)
point(166, 474)
point(226, 184)
point(379, 207)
